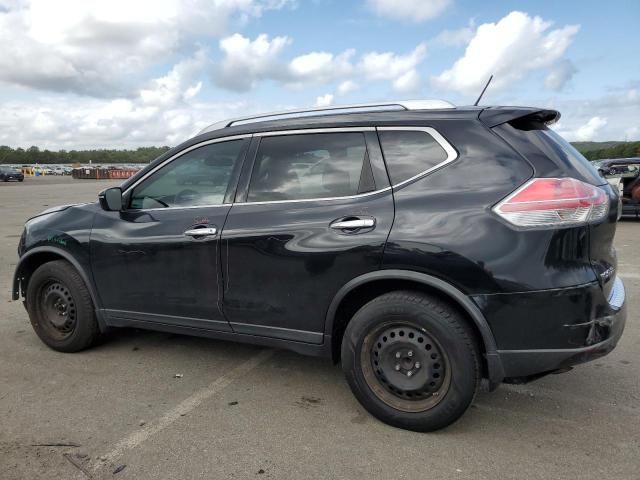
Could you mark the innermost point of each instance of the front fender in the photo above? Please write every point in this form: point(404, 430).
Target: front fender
point(39, 255)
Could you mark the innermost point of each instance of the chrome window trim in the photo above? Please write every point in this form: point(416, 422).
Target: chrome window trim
point(451, 152)
point(321, 199)
point(180, 208)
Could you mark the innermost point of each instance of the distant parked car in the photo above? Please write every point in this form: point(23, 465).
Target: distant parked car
point(624, 175)
point(9, 173)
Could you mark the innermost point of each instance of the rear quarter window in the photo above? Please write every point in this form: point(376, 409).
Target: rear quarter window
point(570, 155)
point(409, 153)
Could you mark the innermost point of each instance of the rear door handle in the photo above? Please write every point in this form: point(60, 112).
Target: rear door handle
point(201, 232)
point(353, 223)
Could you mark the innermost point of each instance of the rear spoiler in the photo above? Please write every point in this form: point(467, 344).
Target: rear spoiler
point(494, 116)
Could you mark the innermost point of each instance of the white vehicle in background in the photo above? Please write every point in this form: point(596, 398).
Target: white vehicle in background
point(58, 171)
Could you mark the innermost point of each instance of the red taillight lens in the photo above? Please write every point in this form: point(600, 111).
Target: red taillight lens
point(554, 202)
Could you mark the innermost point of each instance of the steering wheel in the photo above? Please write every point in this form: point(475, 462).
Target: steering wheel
point(186, 196)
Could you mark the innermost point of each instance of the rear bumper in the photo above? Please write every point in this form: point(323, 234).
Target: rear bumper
point(604, 332)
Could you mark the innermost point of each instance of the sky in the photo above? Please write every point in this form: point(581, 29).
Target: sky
point(127, 73)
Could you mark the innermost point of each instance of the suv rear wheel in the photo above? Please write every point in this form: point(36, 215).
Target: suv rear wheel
point(60, 307)
point(411, 361)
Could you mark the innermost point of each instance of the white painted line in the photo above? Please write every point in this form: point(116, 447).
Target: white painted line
point(187, 405)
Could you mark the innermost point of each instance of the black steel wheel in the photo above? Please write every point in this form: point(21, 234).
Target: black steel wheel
point(411, 360)
point(406, 367)
point(60, 307)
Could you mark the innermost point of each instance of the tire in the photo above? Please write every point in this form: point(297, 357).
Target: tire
point(60, 307)
point(401, 332)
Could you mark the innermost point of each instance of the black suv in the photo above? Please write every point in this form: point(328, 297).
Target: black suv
point(423, 246)
point(9, 173)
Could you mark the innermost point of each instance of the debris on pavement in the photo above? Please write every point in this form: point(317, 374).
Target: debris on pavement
point(69, 444)
point(77, 462)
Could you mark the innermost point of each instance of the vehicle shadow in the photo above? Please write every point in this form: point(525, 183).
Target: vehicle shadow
point(535, 407)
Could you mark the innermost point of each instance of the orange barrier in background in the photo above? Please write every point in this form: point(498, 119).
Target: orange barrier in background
point(102, 173)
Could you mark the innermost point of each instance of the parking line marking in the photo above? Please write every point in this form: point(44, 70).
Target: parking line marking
point(187, 405)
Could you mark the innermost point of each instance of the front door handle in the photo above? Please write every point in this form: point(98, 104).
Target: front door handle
point(353, 223)
point(201, 232)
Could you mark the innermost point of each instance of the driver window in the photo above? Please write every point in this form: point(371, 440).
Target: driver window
point(197, 178)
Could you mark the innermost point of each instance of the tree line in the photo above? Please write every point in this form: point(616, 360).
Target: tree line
point(620, 150)
point(32, 155)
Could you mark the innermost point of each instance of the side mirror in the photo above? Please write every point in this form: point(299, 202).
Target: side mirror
point(111, 199)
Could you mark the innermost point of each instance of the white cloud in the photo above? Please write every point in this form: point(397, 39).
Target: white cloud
point(587, 131)
point(324, 100)
point(409, 10)
point(508, 49)
point(610, 117)
point(407, 82)
point(247, 61)
point(400, 69)
point(456, 38)
point(70, 121)
point(347, 87)
point(632, 134)
point(321, 67)
point(560, 75)
point(57, 122)
point(165, 112)
point(100, 47)
point(179, 85)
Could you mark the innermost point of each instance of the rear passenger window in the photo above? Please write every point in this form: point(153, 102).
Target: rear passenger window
point(307, 166)
point(408, 153)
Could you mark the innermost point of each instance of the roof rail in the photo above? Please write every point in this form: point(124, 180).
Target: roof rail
point(360, 107)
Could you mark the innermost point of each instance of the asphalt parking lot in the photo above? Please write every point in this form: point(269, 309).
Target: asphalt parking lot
point(240, 411)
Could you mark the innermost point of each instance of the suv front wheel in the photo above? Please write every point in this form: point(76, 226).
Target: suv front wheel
point(411, 360)
point(60, 307)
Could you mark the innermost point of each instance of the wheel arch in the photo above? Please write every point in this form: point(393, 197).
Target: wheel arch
point(38, 256)
point(361, 289)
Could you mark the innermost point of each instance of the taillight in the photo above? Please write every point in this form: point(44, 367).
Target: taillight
point(554, 202)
